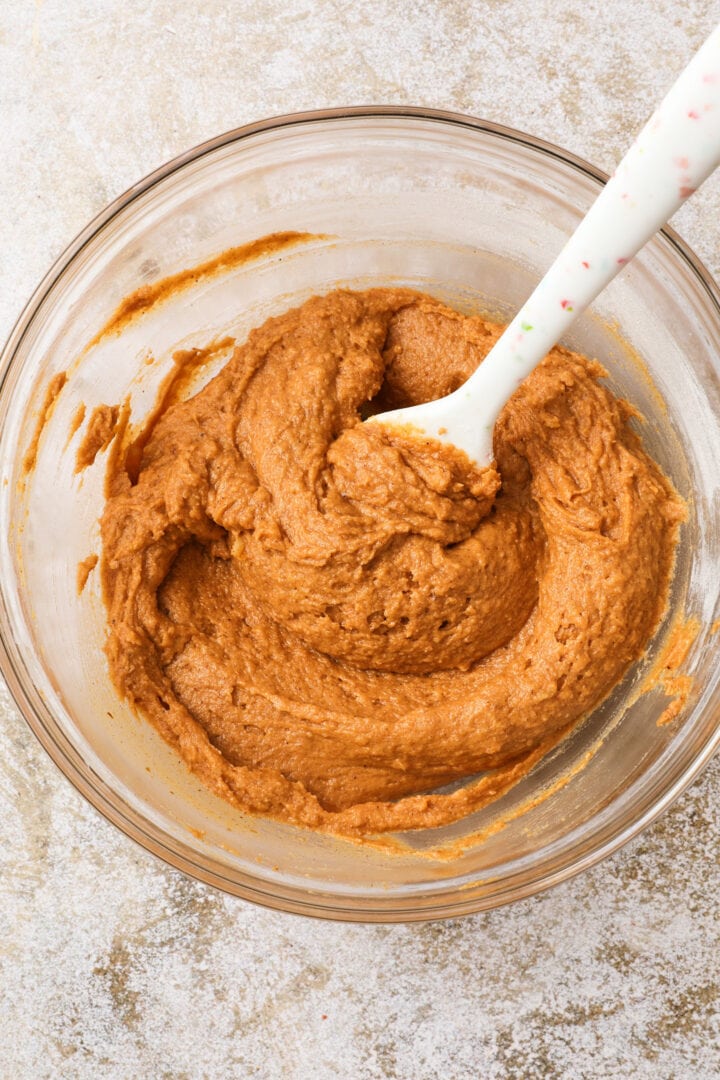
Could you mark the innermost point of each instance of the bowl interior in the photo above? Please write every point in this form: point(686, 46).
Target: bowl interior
point(472, 214)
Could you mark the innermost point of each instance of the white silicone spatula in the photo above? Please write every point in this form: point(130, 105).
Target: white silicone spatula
point(674, 153)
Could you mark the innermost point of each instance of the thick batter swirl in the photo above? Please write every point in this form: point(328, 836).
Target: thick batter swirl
point(329, 620)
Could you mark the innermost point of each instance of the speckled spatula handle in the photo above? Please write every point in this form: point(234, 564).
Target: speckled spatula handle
point(674, 153)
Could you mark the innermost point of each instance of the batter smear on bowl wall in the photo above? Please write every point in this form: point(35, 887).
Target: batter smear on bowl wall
point(329, 620)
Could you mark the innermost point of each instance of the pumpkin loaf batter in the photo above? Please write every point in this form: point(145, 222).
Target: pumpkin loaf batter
point(329, 621)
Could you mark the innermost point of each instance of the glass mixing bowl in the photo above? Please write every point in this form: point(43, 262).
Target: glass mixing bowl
point(464, 209)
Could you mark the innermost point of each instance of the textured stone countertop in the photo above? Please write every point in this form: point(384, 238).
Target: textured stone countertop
point(115, 966)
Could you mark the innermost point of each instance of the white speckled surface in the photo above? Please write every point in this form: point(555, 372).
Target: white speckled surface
point(113, 966)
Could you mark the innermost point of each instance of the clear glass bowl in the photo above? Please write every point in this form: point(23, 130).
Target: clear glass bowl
point(473, 213)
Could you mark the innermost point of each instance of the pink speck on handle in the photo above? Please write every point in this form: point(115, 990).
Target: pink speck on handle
point(586, 264)
point(621, 261)
point(682, 163)
point(565, 305)
point(711, 77)
point(686, 192)
point(693, 115)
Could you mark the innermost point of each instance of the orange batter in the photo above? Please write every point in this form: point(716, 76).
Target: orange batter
point(329, 620)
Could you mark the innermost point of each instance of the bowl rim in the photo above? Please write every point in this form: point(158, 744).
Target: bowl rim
point(170, 849)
